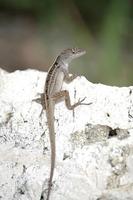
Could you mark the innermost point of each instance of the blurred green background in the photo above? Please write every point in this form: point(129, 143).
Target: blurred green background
point(34, 32)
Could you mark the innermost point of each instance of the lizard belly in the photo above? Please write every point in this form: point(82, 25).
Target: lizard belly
point(58, 82)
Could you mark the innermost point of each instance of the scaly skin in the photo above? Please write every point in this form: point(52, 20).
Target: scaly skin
point(53, 92)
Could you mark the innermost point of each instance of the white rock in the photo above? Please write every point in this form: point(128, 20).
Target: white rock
point(94, 155)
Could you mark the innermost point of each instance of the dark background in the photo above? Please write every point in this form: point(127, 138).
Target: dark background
point(33, 32)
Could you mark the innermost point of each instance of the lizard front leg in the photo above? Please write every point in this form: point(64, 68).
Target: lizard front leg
point(70, 78)
point(67, 77)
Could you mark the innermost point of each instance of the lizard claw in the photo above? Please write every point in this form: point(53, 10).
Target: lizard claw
point(75, 76)
point(80, 102)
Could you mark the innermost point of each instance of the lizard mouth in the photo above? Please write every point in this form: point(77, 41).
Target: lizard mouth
point(81, 52)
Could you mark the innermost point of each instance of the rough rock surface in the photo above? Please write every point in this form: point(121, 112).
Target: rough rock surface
point(94, 156)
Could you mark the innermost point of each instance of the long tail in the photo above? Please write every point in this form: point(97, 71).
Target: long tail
point(50, 118)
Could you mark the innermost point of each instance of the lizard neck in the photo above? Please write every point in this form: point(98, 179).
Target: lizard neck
point(62, 63)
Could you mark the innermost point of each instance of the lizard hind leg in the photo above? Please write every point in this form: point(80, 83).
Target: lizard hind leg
point(41, 100)
point(65, 94)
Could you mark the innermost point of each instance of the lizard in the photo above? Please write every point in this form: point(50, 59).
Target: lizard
point(53, 93)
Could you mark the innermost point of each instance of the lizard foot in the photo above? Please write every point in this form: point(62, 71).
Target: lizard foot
point(80, 102)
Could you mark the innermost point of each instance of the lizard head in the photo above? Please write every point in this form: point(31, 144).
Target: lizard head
point(68, 55)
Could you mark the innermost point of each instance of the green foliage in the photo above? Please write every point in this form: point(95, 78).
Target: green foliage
point(114, 26)
point(104, 28)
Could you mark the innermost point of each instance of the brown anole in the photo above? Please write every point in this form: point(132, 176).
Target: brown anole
point(53, 93)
